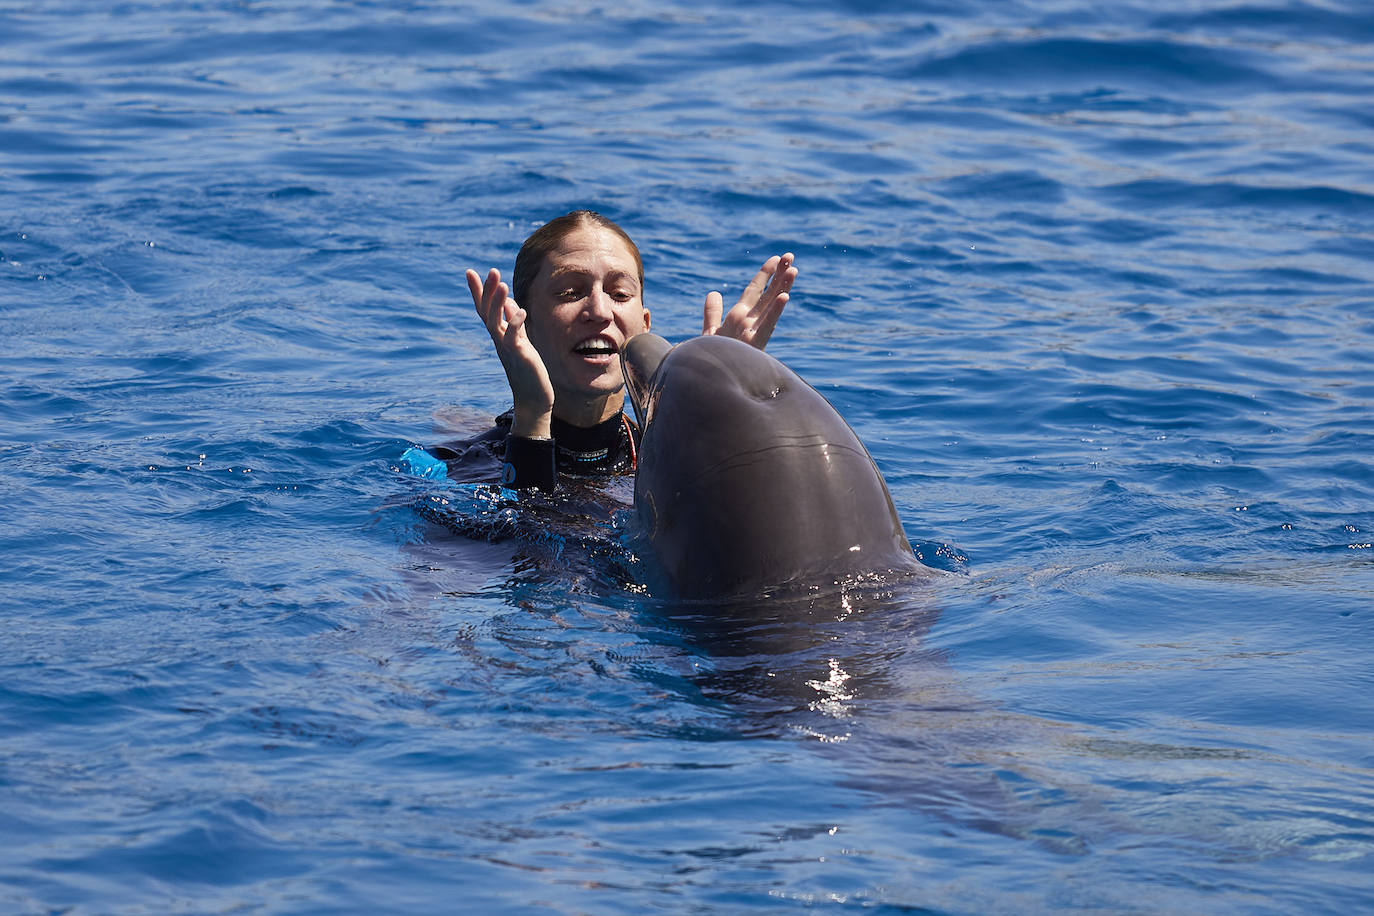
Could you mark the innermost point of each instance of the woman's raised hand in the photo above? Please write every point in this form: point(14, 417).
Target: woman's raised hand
point(754, 316)
point(525, 370)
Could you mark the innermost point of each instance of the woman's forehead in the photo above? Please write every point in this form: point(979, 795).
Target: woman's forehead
point(590, 250)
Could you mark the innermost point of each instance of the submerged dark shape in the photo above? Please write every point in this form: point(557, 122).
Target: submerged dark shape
point(748, 479)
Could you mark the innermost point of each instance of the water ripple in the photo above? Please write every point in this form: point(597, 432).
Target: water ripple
point(1092, 281)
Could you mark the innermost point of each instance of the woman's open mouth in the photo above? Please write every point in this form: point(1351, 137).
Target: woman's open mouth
point(598, 349)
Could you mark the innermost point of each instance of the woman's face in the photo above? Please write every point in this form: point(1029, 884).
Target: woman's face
point(583, 305)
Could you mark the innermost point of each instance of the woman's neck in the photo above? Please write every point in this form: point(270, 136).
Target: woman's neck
point(588, 413)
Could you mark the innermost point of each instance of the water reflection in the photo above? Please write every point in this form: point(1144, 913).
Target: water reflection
point(800, 662)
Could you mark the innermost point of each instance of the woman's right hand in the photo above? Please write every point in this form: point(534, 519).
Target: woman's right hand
point(525, 371)
point(754, 316)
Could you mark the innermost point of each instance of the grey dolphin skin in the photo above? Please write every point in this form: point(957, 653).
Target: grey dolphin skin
point(748, 478)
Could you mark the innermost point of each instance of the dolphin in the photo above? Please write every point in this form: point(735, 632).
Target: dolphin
point(748, 480)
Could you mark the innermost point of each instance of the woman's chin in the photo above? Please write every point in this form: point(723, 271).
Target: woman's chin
point(606, 383)
point(593, 393)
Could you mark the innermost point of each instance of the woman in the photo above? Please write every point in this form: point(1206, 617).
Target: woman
point(582, 281)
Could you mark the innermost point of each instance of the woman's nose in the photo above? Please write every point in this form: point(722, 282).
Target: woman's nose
point(598, 306)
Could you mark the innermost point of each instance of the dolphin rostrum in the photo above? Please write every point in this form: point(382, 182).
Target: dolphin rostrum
point(748, 479)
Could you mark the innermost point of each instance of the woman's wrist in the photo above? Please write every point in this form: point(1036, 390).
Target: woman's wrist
point(532, 423)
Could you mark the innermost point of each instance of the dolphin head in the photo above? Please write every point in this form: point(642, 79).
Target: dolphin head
point(747, 477)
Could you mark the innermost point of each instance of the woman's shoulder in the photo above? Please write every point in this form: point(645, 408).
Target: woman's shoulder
point(493, 438)
point(476, 459)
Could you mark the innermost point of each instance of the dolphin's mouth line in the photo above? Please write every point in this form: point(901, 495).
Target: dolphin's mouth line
point(744, 459)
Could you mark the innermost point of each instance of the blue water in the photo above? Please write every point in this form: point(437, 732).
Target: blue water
point(1095, 283)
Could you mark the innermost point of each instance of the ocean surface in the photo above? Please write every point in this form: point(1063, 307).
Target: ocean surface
point(1093, 281)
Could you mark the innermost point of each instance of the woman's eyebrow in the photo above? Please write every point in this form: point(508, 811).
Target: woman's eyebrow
point(618, 275)
point(613, 276)
point(569, 269)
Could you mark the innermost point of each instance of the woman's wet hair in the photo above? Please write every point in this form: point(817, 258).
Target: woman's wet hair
point(548, 236)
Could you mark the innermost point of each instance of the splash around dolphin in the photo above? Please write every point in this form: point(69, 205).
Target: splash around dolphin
point(748, 479)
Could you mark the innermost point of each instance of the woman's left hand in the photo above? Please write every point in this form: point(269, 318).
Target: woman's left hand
point(754, 316)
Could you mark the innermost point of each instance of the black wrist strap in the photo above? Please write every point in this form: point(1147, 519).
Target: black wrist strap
point(529, 463)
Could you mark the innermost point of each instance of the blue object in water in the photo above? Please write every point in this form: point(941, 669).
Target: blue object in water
point(419, 463)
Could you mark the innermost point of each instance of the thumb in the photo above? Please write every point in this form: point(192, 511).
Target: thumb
point(715, 306)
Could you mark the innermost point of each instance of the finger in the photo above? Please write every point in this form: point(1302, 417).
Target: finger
point(474, 287)
point(785, 275)
point(512, 341)
point(710, 319)
point(479, 294)
point(514, 319)
point(760, 281)
point(491, 288)
point(482, 292)
point(783, 278)
point(525, 370)
point(499, 305)
point(764, 320)
point(767, 308)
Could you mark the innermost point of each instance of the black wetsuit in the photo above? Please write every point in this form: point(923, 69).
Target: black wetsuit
point(604, 450)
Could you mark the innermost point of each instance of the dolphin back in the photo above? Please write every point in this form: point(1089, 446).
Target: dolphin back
point(748, 478)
